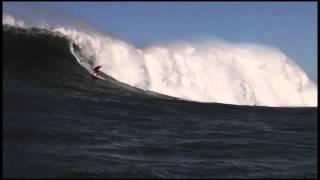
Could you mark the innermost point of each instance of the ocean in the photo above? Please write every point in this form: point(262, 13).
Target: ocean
point(60, 121)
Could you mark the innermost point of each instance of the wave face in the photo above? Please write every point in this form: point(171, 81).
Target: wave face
point(211, 71)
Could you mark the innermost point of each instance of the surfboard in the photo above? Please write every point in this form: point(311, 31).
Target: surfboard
point(97, 76)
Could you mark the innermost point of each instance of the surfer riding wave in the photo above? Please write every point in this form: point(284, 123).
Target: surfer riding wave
point(96, 70)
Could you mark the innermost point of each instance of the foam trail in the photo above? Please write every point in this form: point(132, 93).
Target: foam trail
point(212, 71)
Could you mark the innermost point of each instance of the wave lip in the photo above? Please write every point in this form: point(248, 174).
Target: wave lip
point(212, 71)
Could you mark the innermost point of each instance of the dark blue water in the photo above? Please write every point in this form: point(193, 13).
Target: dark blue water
point(59, 121)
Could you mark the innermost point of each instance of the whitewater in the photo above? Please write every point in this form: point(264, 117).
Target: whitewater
point(203, 71)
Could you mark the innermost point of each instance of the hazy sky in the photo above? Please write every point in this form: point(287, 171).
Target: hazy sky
point(289, 26)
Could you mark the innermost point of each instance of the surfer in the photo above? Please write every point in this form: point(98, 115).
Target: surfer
point(97, 70)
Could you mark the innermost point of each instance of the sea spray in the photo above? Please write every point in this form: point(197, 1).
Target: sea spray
point(210, 71)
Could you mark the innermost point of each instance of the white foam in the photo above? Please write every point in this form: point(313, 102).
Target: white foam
point(211, 71)
point(9, 20)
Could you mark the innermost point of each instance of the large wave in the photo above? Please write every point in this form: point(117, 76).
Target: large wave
point(205, 71)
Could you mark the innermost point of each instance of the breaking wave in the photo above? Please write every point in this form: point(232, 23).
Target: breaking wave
point(204, 71)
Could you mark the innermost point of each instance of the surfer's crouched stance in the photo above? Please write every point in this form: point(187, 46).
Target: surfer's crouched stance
point(97, 70)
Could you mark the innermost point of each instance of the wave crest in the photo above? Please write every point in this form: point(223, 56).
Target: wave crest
point(211, 71)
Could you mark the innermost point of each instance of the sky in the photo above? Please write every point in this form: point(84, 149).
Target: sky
point(288, 26)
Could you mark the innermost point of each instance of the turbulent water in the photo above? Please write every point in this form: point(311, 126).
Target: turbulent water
point(205, 71)
point(60, 121)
